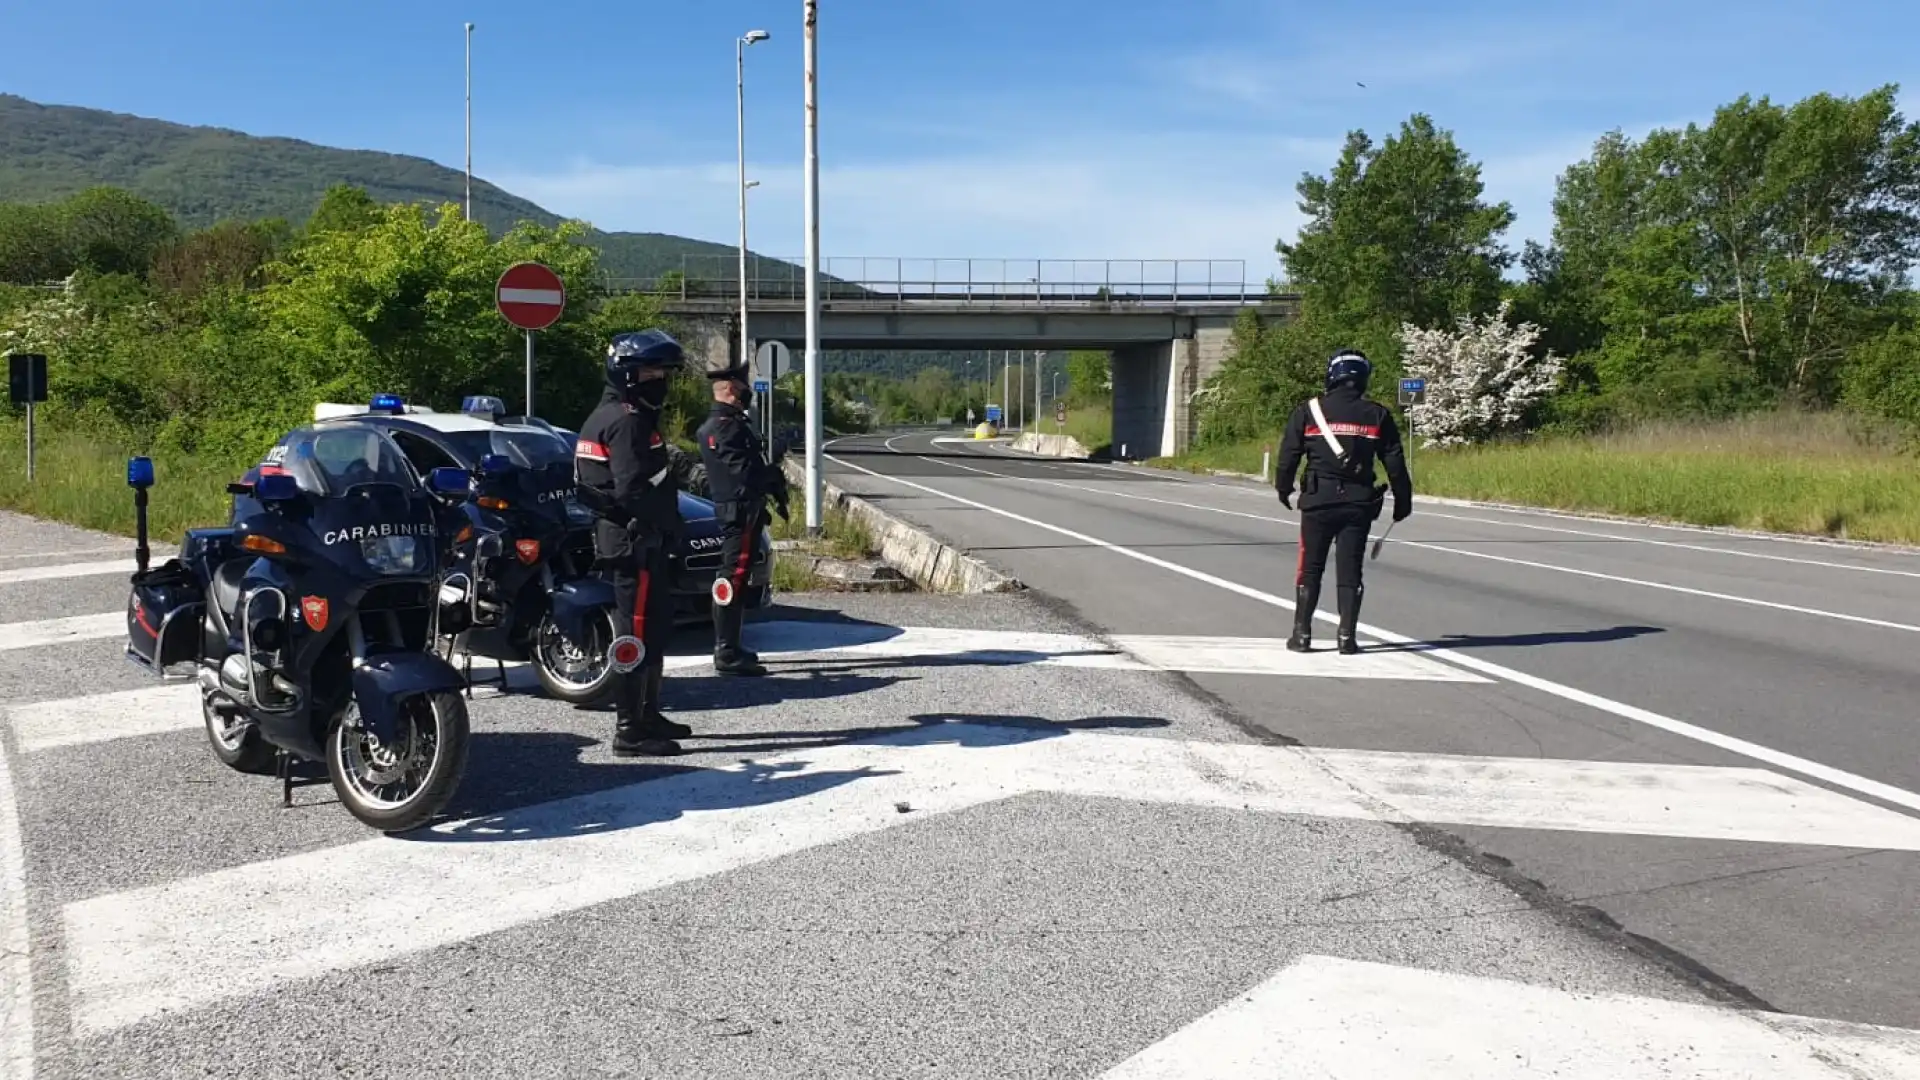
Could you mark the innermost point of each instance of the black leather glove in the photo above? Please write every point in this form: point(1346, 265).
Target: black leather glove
point(1401, 510)
point(1286, 498)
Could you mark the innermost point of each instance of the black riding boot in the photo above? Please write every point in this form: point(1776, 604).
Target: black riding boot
point(1305, 599)
point(657, 722)
point(1349, 615)
point(728, 657)
point(633, 736)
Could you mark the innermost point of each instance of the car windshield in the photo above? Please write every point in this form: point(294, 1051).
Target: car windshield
point(527, 448)
point(328, 462)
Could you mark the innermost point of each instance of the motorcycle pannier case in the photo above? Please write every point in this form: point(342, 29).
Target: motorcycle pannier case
point(163, 617)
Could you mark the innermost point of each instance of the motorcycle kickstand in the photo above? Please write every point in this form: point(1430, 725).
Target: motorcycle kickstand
point(283, 764)
point(500, 666)
point(466, 672)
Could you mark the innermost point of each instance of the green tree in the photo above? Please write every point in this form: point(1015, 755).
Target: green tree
point(343, 208)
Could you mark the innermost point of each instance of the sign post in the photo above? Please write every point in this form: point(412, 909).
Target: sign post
point(531, 297)
point(773, 359)
point(1412, 392)
point(27, 384)
point(1060, 417)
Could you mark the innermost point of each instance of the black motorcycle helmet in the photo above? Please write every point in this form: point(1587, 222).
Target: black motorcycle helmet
point(631, 353)
point(1351, 367)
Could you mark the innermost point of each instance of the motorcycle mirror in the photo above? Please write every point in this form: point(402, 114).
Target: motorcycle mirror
point(447, 480)
point(276, 487)
point(495, 465)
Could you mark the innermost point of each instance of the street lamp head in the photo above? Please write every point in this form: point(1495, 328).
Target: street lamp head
point(756, 35)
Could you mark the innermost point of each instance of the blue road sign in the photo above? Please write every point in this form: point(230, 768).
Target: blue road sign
point(1413, 385)
point(760, 386)
point(993, 414)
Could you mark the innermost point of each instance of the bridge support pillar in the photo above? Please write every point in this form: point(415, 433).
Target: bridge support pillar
point(1152, 387)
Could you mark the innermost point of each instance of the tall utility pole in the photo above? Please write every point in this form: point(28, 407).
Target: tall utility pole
point(469, 205)
point(740, 107)
point(1039, 358)
point(812, 367)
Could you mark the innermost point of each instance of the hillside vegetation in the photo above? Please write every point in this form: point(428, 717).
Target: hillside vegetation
point(204, 176)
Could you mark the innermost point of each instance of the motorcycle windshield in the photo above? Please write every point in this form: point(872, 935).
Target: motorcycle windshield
point(542, 476)
point(372, 516)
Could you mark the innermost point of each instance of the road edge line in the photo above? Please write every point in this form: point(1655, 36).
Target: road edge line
point(16, 978)
point(932, 564)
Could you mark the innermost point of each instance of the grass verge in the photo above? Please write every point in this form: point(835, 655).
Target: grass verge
point(1808, 474)
point(842, 536)
point(83, 482)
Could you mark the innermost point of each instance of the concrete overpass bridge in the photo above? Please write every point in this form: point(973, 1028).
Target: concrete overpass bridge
point(1168, 324)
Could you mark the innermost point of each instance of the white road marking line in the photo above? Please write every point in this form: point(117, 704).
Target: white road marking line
point(1780, 759)
point(16, 967)
point(29, 635)
point(1829, 543)
point(67, 554)
point(1673, 544)
point(67, 570)
point(135, 954)
point(1338, 1019)
point(153, 710)
point(1729, 597)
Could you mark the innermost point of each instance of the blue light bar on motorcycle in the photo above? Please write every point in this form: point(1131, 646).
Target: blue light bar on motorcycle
point(140, 472)
point(484, 405)
point(387, 403)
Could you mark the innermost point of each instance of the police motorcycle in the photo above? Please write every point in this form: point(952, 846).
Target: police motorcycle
point(309, 621)
point(524, 581)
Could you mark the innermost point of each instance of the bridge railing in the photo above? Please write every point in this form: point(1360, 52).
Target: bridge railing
point(1041, 282)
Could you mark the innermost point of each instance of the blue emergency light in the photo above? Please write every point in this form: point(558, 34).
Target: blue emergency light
point(140, 472)
point(484, 405)
point(387, 403)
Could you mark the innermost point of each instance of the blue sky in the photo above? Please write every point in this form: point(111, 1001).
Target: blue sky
point(1056, 129)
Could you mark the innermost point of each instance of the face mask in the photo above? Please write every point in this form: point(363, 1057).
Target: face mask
point(652, 394)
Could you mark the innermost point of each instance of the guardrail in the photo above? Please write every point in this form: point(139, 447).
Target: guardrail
point(712, 278)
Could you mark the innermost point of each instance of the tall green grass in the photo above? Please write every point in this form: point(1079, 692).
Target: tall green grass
point(84, 482)
point(1815, 474)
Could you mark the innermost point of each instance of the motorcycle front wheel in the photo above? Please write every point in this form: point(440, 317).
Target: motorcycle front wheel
point(576, 672)
point(401, 785)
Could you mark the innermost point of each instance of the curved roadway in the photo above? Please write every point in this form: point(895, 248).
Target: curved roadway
point(1596, 640)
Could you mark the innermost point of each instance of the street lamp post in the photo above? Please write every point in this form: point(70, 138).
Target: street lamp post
point(740, 106)
point(810, 10)
point(469, 203)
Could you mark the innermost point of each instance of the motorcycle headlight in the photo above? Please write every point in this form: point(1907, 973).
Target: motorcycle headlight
point(393, 554)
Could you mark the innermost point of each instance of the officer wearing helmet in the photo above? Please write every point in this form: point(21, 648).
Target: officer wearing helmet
point(1339, 434)
point(624, 476)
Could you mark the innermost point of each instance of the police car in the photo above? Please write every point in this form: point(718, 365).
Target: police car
point(435, 439)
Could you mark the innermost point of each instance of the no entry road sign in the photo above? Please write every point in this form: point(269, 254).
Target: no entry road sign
point(530, 296)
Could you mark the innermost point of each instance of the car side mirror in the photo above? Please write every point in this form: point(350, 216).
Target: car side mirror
point(448, 480)
point(495, 465)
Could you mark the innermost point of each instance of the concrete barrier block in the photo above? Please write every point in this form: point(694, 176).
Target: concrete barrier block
point(931, 564)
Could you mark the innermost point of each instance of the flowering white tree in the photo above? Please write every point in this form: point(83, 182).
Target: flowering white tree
point(43, 325)
point(1481, 378)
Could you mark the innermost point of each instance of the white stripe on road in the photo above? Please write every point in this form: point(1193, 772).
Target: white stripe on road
point(1796, 609)
point(153, 710)
point(135, 954)
point(66, 554)
point(548, 297)
point(16, 966)
point(67, 570)
point(1338, 1019)
point(31, 635)
point(1781, 759)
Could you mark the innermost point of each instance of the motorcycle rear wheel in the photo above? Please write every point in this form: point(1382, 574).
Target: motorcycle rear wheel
point(433, 726)
point(596, 690)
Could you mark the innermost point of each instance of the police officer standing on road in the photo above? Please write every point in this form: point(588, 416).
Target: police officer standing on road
point(741, 480)
point(624, 477)
point(1339, 434)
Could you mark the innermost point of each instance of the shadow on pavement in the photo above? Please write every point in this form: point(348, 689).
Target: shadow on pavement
point(550, 793)
point(1558, 637)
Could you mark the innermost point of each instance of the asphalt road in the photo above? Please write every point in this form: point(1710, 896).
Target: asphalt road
point(953, 837)
point(1600, 642)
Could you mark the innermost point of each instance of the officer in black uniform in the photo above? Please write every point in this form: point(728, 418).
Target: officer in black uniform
point(624, 477)
point(1339, 435)
point(741, 480)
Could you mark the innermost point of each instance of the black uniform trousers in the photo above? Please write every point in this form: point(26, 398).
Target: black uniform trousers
point(1342, 526)
point(643, 601)
point(739, 532)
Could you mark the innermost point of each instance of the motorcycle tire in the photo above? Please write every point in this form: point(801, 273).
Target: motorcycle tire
point(451, 739)
point(246, 752)
point(598, 691)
